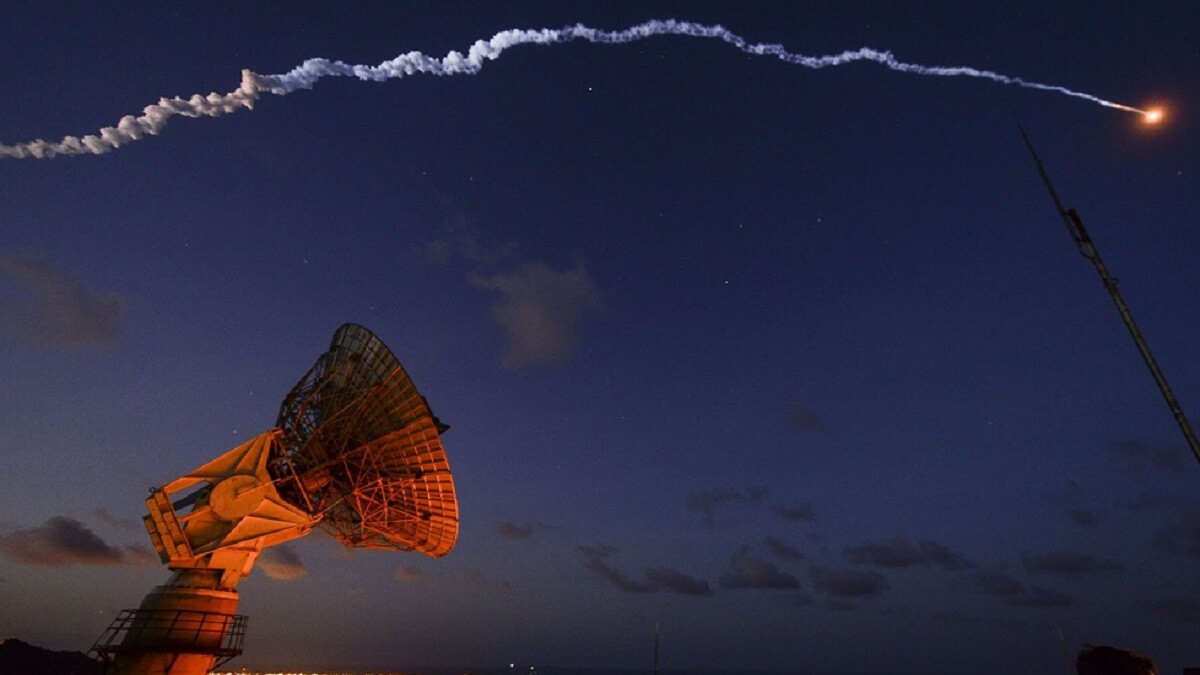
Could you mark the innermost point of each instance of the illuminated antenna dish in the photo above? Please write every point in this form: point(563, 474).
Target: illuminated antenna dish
point(356, 452)
point(362, 451)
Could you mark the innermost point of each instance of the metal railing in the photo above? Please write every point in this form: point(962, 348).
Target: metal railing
point(173, 630)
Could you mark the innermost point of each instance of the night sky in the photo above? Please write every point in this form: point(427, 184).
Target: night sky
point(800, 365)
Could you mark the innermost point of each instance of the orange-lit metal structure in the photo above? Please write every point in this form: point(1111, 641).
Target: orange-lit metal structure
point(364, 451)
point(356, 451)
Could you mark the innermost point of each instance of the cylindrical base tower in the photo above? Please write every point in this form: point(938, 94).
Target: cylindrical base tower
point(184, 627)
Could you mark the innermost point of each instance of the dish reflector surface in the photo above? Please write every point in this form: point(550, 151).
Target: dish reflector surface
point(363, 451)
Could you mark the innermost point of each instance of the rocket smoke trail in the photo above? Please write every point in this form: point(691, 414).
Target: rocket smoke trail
point(155, 116)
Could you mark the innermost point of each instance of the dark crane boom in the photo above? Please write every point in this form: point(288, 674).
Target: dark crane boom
point(1077, 231)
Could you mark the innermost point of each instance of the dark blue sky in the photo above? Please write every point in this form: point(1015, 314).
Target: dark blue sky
point(800, 365)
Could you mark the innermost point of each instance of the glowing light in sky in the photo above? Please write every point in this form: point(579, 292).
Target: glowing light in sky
point(154, 116)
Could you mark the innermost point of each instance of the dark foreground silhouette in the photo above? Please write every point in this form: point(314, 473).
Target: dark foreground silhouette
point(23, 658)
point(1102, 660)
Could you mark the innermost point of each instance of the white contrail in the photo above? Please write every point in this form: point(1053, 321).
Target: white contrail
point(154, 117)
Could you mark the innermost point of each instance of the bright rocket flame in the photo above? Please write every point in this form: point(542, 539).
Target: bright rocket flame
point(1153, 116)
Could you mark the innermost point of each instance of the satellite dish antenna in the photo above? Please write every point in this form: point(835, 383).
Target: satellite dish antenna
point(356, 451)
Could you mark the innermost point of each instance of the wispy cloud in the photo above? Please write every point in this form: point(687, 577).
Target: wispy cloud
point(595, 563)
point(463, 242)
point(1182, 610)
point(1082, 517)
point(901, 553)
point(477, 578)
point(803, 419)
point(746, 571)
point(783, 551)
point(410, 573)
point(674, 581)
point(657, 578)
point(1071, 499)
point(140, 555)
point(706, 503)
point(842, 583)
point(801, 513)
point(841, 605)
point(801, 599)
point(1135, 455)
point(282, 563)
point(105, 517)
point(939, 556)
point(1180, 537)
point(1017, 594)
point(1145, 500)
point(541, 311)
point(1067, 564)
point(62, 541)
point(58, 310)
point(517, 531)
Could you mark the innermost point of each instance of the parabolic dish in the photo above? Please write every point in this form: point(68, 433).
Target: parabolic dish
point(363, 451)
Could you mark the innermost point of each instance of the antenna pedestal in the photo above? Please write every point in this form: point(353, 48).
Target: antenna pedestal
point(185, 627)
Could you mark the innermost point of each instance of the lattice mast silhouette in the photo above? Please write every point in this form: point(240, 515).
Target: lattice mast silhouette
point(1088, 250)
point(356, 451)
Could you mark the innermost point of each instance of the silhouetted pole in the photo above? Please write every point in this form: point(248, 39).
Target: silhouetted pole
point(1088, 250)
point(656, 648)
